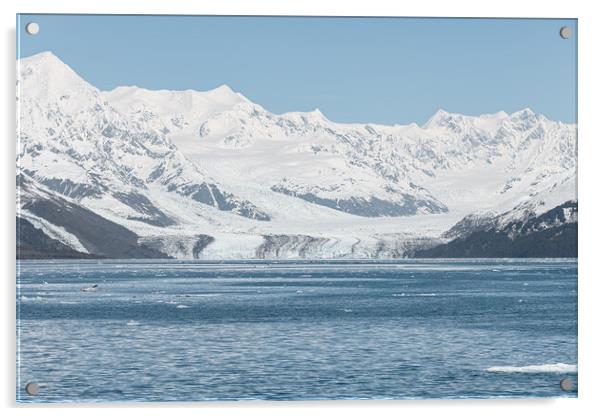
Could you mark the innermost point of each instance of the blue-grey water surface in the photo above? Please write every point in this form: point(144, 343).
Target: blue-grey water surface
point(188, 331)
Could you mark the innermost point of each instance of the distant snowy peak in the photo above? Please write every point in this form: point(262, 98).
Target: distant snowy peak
point(168, 101)
point(174, 109)
point(460, 123)
point(44, 78)
point(315, 116)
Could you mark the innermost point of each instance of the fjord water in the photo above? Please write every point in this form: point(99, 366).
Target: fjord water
point(187, 331)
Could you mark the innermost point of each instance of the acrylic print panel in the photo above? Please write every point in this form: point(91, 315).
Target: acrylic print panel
point(295, 208)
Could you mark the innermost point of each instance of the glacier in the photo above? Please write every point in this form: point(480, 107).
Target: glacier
point(213, 175)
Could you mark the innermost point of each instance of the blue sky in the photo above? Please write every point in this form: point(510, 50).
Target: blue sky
point(381, 70)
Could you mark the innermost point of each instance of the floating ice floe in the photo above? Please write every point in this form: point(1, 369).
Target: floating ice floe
point(543, 368)
point(26, 298)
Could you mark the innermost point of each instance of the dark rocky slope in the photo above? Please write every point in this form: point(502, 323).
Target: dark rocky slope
point(551, 234)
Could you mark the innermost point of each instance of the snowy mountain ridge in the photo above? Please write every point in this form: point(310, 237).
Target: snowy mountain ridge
point(73, 141)
point(174, 165)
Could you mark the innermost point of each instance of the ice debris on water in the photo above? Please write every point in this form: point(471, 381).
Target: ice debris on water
point(92, 288)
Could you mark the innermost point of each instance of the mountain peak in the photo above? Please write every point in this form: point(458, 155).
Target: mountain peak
point(223, 89)
point(225, 95)
point(45, 56)
point(440, 118)
point(45, 77)
point(318, 113)
point(223, 92)
point(527, 116)
point(524, 113)
point(441, 113)
point(47, 62)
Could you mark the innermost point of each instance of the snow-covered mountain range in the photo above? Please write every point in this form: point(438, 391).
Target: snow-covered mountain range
point(212, 175)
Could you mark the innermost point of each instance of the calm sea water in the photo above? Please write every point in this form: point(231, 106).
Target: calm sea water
point(186, 331)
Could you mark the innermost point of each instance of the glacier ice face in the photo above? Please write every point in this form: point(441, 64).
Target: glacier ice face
point(173, 165)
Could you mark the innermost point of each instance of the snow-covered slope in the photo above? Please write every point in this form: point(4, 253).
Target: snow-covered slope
point(490, 160)
point(72, 140)
point(174, 165)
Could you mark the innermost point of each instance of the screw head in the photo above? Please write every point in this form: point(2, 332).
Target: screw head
point(32, 389)
point(32, 28)
point(565, 32)
point(566, 384)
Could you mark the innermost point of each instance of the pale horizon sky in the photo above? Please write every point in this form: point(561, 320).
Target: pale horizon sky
point(378, 70)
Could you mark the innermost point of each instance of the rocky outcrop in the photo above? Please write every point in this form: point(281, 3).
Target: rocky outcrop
point(551, 234)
